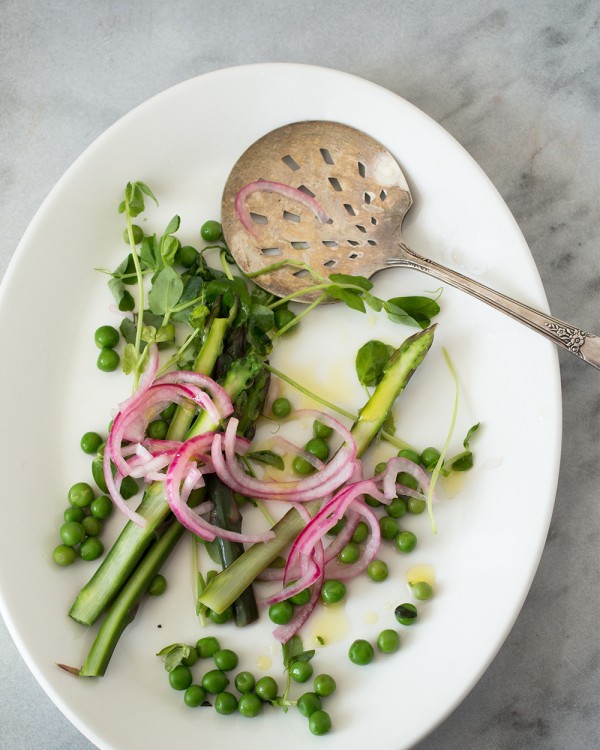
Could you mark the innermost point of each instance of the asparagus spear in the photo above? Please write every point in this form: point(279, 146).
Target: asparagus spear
point(229, 584)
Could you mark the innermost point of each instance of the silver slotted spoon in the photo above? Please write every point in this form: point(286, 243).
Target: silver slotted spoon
point(365, 197)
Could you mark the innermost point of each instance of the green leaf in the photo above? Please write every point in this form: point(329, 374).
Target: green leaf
point(470, 433)
point(174, 655)
point(374, 302)
point(168, 249)
point(165, 292)
point(290, 650)
point(135, 198)
point(148, 334)
point(267, 457)
point(145, 189)
point(128, 330)
point(463, 461)
point(130, 359)
point(262, 318)
point(347, 296)
point(165, 333)
point(117, 289)
point(173, 225)
point(198, 316)
point(371, 360)
point(344, 278)
point(412, 311)
point(150, 254)
point(304, 656)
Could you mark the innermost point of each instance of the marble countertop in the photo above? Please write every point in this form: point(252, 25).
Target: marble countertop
point(517, 84)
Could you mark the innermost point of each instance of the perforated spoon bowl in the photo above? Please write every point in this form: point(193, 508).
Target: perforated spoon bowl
point(360, 187)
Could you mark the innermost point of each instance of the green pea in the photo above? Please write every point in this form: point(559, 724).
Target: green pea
point(215, 681)
point(361, 532)
point(108, 360)
point(281, 613)
point(101, 507)
point(282, 317)
point(180, 678)
point(380, 468)
point(192, 657)
point(138, 234)
point(319, 723)
point(421, 590)
point(195, 695)
point(324, 685)
point(370, 500)
point(92, 526)
point(158, 585)
point(64, 555)
point(266, 689)
point(302, 466)
point(168, 413)
point(72, 533)
point(349, 554)
point(389, 527)
point(281, 407)
point(207, 647)
point(211, 231)
point(308, 703)
point(377, 571)
point(388, 641)
point(333, 591)
point(244, 682)
point(250, 705)
point(187, 256)
point(225, 659)
point(361, 652)
point(106, 337)
point(301, 671)
point(406, 614)
point(416, 505)
point(411, 455)
point(220, 618)
point(397, 508)
point(318, 448)
point(322, 430)
point(302, 597)
point(98, 471)
point(225, 703)
point(90, 442)
point(129, 487)
point(429, 458)
point(157, 430)
point(407, 480)
point(80, 495)
point(73, 513)
point(406, 541)
point(336, 528)
point(91, 549)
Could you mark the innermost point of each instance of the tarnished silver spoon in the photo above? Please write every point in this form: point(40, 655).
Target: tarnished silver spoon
point(343, 214)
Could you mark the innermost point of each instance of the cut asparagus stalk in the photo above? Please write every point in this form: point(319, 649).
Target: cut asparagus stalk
point(229, 584)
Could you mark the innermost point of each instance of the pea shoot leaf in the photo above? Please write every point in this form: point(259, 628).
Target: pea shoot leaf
point(412, 311)
point(267, 457)
point(150, 253)
point(347, 296)
point(165, 292)
point(127, 328)
point(174, 655)
point(146, 190)
point(130, 359)
point(198, 316)
point(463, 461)
point(371, 360)
point(291, 650)
point(344, 278)
point(173, 225)
point(169, 246)
point(374, 302)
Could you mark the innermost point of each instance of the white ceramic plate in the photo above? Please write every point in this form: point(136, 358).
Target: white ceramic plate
point(490, 534)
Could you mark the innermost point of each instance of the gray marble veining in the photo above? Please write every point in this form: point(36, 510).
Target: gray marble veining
point(518, 84)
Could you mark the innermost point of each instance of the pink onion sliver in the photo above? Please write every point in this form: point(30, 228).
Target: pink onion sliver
point(283, 633)
point(146, 379)
point(116, 496)
point(341, 540)
point(396, 464)
point(186, 515)
point(269, 186)
point(218, 394)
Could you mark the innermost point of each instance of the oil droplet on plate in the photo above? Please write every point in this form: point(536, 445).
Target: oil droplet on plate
point(421, 573)
point(263, 663)
point(454, 483)
point(330, 624)
point(371, 618)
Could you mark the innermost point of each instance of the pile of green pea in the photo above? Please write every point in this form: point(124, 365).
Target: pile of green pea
point(252, 694)
point(361, 651)
point(83, 518)
point(106, 338)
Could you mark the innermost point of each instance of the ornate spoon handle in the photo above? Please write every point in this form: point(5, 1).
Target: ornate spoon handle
point(584, 345)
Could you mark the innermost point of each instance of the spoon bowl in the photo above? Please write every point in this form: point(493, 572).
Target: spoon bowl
point(329, 196)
